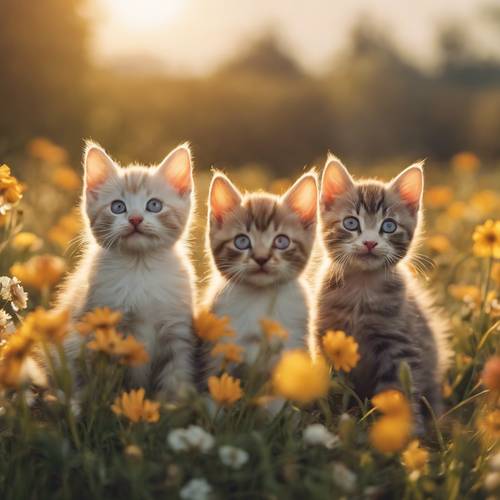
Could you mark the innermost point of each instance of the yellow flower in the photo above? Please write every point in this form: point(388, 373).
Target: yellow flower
point(298, 378)
point(66, 229)
point(457, 210)
point(133, 406)
point(487, 239)
point(466, 293)
point(12, 291)
point(133, 451)
point(438, 196)
point(341, 350)
point(225, 390)
point(211, 328)
point(484, 202)
point(439, 243)
point(44, 149)
point(47, 326)
point(229, 351)
point(465, 162)
point(40, 272)
point(66, 178)
point(10, 189)
point(131, 352)
point(390, 434)
point(490, 425)
point(392, 403)
point(414, 457)
point(25, 241)
point(273, 329)
point(107, 341)
point(13, 355)
point(100, 318)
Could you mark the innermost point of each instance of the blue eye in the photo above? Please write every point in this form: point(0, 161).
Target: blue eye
point(351, 223)
point(389, 226)
point(281, 242)
point(118, 207)
point(154, 205)
point(242, 242)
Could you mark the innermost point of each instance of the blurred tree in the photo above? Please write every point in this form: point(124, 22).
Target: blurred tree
point(44, 66)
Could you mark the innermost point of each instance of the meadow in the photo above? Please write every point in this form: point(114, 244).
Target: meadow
point(228, 443)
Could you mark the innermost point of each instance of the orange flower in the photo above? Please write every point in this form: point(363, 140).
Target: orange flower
point(13, 355)
point(66, 229)
point(298, 378)
point(132, 352)
point(390, 434)
point(229, 351)
point(438, 196)
point(414, 457)
point(44, 149)
point(225, 390)
point(25, 241)
point(100, 318)
point(40, 272)
point(465, 162)
point(273, 329)
point(341, 350)
point(491, 374)
point(487, 239)
point(211, 328)
point(107, 341)
point(66, 178)
point(439, 243)
point(133, 406)
point(46, 326)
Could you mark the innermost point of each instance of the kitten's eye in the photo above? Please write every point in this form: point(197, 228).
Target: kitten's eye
point(242, 242)
point(154, 205)
point(281, 242)
point(118, 207)
point(389, 226)
point(351, 223)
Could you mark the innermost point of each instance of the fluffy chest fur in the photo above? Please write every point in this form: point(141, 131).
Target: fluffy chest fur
point(286, 303)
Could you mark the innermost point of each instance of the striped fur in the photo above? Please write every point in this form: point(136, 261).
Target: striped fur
point(245, 290)
point(375, 298)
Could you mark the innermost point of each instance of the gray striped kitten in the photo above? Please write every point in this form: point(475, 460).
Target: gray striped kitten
point(367, 290)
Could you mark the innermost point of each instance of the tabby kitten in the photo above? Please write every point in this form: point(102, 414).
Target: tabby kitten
point(367, 290)
point(135, 261)
point(260, 245)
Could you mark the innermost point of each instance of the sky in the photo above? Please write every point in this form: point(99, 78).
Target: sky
point(194, 36)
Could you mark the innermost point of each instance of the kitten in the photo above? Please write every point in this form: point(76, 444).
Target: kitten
point(135, 261)
point(260, 245)
point(367, 290)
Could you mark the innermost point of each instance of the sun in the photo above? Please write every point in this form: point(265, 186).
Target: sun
point(143, 15)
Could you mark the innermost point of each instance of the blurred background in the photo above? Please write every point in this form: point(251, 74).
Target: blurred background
point(259, 88)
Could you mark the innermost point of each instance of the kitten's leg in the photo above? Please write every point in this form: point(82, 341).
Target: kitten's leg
point(172, 366)
point(387, 377)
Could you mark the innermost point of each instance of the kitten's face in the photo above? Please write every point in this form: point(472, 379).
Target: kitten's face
point(137, 209)
point(261, 239)
point(369, 225)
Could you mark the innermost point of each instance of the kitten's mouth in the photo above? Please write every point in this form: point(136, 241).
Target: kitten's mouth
point(134, 232)
point(367, 255)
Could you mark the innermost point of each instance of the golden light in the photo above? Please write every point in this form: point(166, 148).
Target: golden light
point(143, 15)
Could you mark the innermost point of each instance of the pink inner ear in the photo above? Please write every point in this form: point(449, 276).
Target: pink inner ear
point(336, 181)
point(302, 198)
point(176, 168)
point(409, 185)
point(224, 197)
point(98, 168)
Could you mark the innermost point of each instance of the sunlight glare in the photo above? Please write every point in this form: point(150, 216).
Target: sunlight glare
point(143, 15)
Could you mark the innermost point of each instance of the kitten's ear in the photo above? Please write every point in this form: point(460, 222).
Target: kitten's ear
point(336, 181)
point(302, 198)
point(99, 167)
point(409, 185)
point(176, 169)
point(224, 197)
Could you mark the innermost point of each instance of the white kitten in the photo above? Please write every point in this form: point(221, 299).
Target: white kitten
point(135, 261)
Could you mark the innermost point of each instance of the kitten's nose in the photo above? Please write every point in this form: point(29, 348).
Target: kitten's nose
point(135, 220)
point(261, 260)
point(370, 245)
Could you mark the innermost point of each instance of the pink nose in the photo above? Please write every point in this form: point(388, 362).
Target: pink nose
point(370, 245)
point(135, 220)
